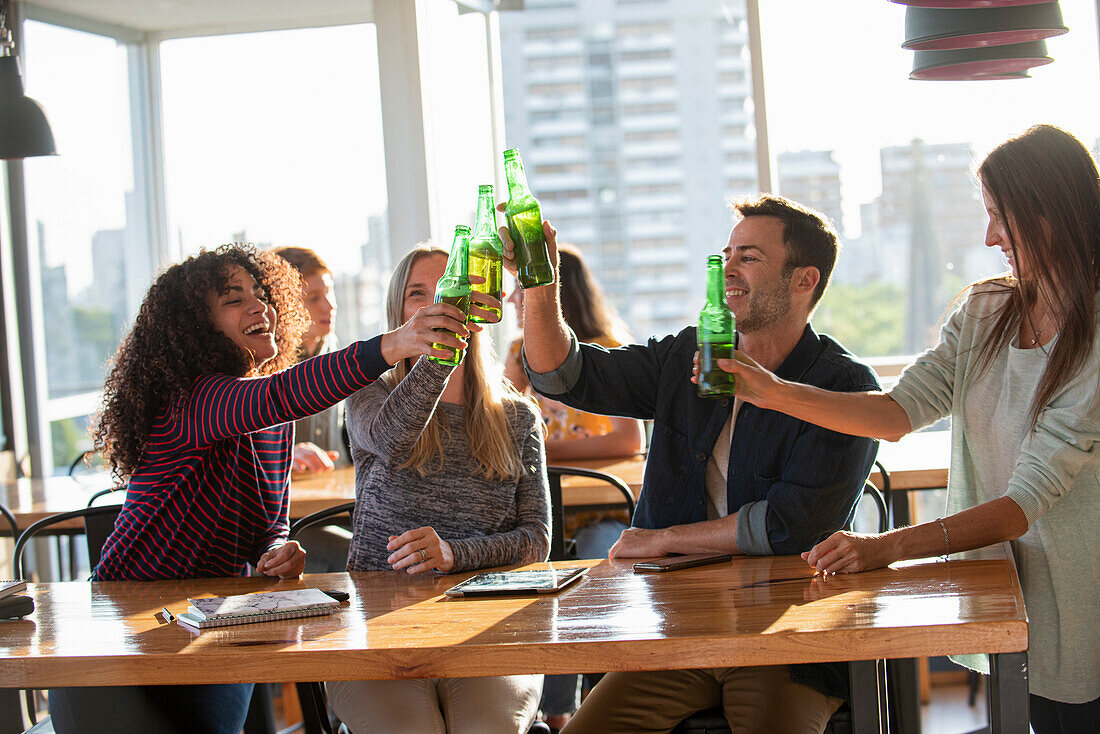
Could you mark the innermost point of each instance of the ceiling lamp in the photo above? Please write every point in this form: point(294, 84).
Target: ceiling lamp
point(979, 39)
point(943, 29)
point(967, 3)
point(1010, 61)
point(24, 131)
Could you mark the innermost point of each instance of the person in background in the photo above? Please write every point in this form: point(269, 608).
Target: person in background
point(575, 434)
point(319, 439)
point(197, 419)
point(450, 476)
point(1016, 370)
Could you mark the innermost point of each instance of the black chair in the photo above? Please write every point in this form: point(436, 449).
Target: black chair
point(558, 546)
point(870, 490)
point(321, 516)
point(98, 524)
point(11, 522)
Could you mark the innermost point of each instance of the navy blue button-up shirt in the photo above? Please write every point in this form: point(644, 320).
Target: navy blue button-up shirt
point(790, 482)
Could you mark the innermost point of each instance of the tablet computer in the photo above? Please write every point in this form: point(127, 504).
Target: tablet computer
point(538, 581)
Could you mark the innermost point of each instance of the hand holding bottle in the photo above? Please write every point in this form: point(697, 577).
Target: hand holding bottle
point(418, 335)
point(509, 257)
point(484, 308)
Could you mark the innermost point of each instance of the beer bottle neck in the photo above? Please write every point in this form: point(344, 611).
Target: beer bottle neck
point(485, 225)
point(517, 180)
point(716, 285)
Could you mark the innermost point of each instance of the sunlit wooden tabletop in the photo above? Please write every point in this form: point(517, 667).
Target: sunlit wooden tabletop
point(758, 610)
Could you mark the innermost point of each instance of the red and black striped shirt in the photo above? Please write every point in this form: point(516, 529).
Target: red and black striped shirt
point(212, 492)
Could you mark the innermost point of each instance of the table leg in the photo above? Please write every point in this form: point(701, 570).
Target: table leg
point(868, 684)
point(1008, 696)
point(903, 687)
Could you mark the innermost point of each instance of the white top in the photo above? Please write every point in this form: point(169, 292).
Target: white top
point(718, 467)
point(1051, 472)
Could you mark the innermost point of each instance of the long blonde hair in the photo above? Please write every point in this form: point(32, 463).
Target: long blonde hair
point(489, 400)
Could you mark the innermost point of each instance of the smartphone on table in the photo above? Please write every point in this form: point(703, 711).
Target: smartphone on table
point(675, 563)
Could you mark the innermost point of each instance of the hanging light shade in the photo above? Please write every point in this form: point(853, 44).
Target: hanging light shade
point(24, 130)
point(967, 3)
point(1011, 61)
point(935, 29)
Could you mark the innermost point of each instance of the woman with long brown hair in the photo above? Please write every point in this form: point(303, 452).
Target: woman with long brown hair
point(1018, 370)
point(450, 475)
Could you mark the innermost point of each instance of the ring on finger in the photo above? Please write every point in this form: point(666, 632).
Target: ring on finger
point(423, 555)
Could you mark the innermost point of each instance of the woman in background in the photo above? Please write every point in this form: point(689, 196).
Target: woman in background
point(319, 438)
point(450, 476)
point(1017, 370)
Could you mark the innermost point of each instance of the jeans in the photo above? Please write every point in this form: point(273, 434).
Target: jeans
point(218, 709)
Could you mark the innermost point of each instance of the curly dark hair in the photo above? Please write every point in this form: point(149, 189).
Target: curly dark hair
point(174, 342)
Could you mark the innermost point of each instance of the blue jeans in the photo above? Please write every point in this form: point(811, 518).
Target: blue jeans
point(561, 694)
point(218, 709)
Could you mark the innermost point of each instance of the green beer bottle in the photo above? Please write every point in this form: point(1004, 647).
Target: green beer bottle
point(717, 335)
point(486, 250)
point(454, 288)
point(525, 226)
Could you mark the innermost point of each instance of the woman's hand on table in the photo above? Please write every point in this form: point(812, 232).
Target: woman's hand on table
point(311, 457)
point(846, 552)
point(287, 561)
point(420, 550)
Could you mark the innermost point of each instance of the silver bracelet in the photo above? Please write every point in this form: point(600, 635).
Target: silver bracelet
point(946, 540)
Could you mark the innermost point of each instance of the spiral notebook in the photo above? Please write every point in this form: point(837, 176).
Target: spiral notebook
point(222, 611)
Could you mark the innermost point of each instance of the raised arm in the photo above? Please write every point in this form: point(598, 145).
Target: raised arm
point(221, 406)
point(870, 414)
point(546, 337)
point(389, 423)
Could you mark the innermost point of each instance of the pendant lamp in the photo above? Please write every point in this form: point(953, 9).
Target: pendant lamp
point(944, 29)
point(1010, 61)
point(24, 130)
point(967, 3)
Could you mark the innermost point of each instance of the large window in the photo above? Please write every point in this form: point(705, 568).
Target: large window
point(276, 138)
point(86, 226)
point(656, 140)
point(890, 159)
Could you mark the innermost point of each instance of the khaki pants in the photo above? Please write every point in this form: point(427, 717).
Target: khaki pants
point(500, 705)
point(756, 700)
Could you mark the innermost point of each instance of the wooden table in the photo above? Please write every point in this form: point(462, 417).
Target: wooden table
point(751, 611)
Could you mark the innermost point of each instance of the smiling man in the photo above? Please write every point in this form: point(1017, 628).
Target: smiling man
point(723, 475)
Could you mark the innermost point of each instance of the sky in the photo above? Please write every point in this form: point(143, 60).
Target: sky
point(846, 58)
point(279, 134)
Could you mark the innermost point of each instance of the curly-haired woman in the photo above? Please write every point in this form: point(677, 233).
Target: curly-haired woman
point(198, 417)
point(450, 475)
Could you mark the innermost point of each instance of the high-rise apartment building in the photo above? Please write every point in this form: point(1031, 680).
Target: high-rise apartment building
point(634, 123)
point(929, 196)
point(812, 177)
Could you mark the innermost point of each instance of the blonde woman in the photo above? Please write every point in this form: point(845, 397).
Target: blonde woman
point(450, 475)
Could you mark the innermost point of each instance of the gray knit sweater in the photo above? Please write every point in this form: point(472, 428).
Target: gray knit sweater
point(1052, 472)
point(487, 522)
